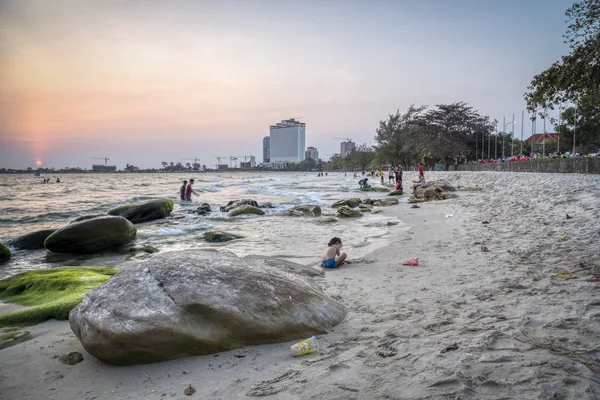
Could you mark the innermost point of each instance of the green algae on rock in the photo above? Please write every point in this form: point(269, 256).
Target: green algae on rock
point(220, 236)
point(49, 293)
point(91, 236)
point(144, 211)
point(4, 254)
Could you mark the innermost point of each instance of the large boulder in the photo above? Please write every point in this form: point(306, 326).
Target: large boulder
point(204, 209)
point(396, 193)
point(91, 236)
point(352, 203)
point(220, 236)
point(445, 185)
point(429, 193)
point(143, 211)
point(4, 254)
point(306, 210)
point(347, 212)
point(86, 217)
point(245, 209)
point(236, 203)
point(31, 241)
point(386, 202)
point(195, 302)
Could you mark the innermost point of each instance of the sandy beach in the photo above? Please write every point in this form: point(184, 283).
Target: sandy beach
point(484, 282)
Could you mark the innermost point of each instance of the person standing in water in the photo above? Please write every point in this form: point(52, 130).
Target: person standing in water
point(189, 191)
point(182, 191)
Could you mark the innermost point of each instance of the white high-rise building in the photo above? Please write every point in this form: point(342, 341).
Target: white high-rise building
point(312, 152)
point(288, 141)
point(347, 147)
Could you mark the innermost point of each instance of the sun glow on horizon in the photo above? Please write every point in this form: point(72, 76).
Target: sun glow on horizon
point(38, 163)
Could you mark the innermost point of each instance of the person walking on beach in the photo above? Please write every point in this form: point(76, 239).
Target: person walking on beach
point(391, 177)
point(398, 173)
point(333, 256)
point(189, 191)
point(182, 191)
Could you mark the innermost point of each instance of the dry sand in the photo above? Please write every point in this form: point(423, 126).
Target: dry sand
point(520, 333)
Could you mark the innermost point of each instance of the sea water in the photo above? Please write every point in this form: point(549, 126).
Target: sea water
point(27, 205)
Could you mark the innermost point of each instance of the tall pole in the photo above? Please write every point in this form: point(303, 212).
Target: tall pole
point(512, 138)
point(489, 140)
point(558, 130)
point(496, 145)
point(574, 126)
point(503, 129)
point(533, 135)
point(544, 137)
point(522, 127)
point(475, 145)
point(482, 140)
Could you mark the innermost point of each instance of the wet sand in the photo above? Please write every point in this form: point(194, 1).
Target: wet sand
point(520, 334)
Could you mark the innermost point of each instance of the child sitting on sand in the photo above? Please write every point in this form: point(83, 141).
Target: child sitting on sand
point(332, 257)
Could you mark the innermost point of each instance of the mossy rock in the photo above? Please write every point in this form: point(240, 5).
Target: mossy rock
point(91, 236)
point(48, 293)
point(4, 254)
point(352, 203)
point(220, 236)
point(365, 207)
point(245, 209)
point(396, 193)
point(143, 211)
point(347, 212)
point(31, 241)
point(380, 189)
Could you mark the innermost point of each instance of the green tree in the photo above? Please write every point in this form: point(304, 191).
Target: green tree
point(576, 74)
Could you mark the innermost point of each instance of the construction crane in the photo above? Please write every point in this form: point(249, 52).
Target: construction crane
point(106, 159)
point(219, 160)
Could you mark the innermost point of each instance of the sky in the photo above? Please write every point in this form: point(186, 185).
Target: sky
point(146, 81)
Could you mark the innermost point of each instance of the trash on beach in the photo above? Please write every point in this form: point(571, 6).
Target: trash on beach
point(564, 237)
point(412, 262)
point(449, 215)
point(569, 217)
point(424, 289)
point(305, 347)
point(564, 274)
point(189, 391)
point(485, 249)
point(595, 278)
point(453, 346)
point(485, 222)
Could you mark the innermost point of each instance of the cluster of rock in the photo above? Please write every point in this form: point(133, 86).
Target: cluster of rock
point(90, 234)
point(244, 206)
point(432, 191)
point(305, 210)
point(355, 207)
point(195, 302)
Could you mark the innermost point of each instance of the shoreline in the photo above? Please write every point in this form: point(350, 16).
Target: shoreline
point(520, 333)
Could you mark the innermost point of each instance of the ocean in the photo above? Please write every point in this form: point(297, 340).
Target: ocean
point(27, 205)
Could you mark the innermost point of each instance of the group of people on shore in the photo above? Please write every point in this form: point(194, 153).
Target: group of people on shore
point(394, 176)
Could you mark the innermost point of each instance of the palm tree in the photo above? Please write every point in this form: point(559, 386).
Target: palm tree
point(164, 164)
point(188, 165)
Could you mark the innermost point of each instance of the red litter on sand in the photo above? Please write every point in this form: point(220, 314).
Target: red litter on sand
point(412, 262)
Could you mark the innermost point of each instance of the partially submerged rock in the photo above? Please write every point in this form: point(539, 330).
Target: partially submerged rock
point(91, 236)
point(396, 193)
point(429, 193)
point(4, 254)
point(326, 220)
point(143, 211)
point(204, 209)
point(195, 302)
point(347, 212)
point(31, 241)
point(365, 207)
point(48, 293)
point(236, 203)
point(266, 204)
point(245, 209)
point(220, 236)
point(306, 210)
point(352, 203)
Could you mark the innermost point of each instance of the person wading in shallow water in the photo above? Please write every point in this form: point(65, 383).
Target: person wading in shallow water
point(189, 191)
point(182, 191)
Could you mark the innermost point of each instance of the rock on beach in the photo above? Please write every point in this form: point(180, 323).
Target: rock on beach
point(195, 302)
point(91, 236)
point(31, 241)
point(143, 211)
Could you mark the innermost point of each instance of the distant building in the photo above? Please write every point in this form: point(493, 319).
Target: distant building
point(311, 152)
point(539, 137)
point(288, 141)
point(248, 164)
point(347, 147)
point(275, 165)
point(104, 168)
point(334, 157)
point(266, 149)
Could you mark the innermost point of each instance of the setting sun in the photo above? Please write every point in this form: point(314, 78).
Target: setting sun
point(38, 163)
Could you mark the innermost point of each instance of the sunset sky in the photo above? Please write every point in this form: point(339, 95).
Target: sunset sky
point(148, 81)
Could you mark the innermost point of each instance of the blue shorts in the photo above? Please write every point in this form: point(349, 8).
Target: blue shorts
point(329, 263)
